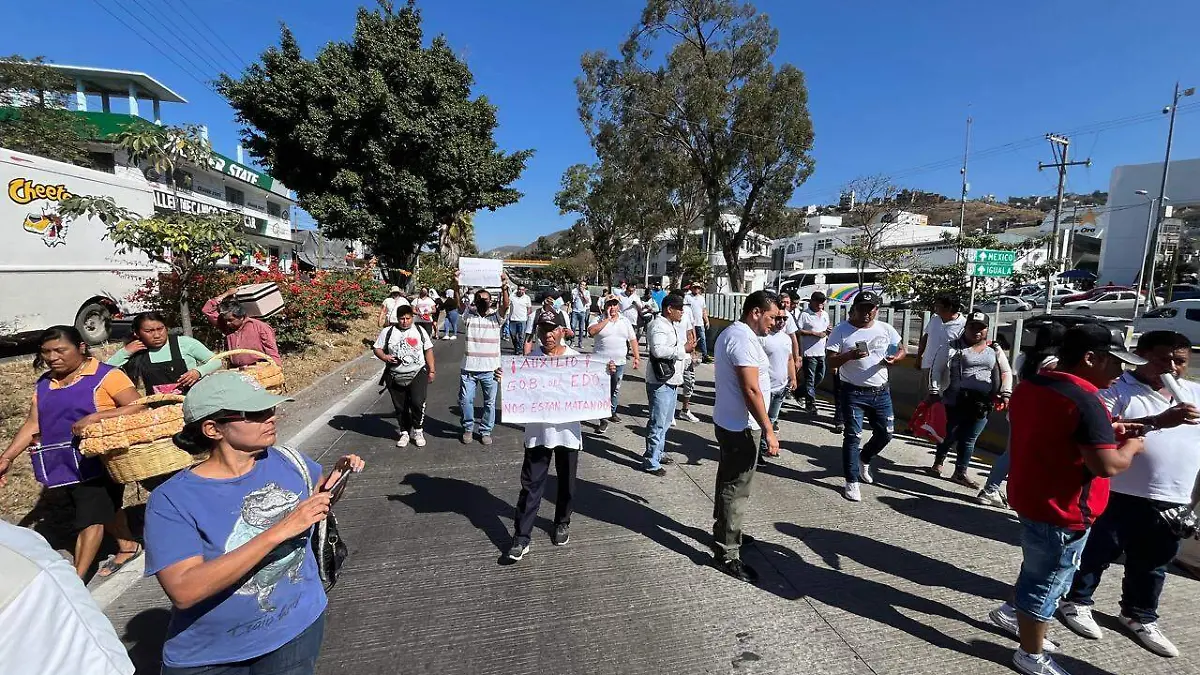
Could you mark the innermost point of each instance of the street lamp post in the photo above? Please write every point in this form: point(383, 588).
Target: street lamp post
point(1154, 205)
point(1162, 192)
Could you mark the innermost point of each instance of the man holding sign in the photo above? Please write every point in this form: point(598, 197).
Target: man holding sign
point(555, 438)
point(481, 361)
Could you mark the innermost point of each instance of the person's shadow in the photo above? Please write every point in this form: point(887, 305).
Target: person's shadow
point(144, 636)
point(434, 494)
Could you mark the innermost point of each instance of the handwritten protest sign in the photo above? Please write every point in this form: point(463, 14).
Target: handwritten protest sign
point(483, 272)
point(554, 390)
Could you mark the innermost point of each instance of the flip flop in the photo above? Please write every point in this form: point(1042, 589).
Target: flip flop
point(111, 566)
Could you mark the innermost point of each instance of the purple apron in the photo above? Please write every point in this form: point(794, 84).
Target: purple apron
point(57, 460)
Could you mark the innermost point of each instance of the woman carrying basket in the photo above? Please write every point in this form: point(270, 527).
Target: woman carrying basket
point(163, 363)
point(229, 538)
point(76, 391)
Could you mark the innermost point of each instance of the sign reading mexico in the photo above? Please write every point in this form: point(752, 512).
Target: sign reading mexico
point(554, 390)
point(484, 272)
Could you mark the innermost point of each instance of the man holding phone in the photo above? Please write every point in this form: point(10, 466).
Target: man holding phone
point(862, 349)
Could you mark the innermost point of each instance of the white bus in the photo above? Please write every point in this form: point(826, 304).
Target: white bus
point(55, 272)
point(839, 284)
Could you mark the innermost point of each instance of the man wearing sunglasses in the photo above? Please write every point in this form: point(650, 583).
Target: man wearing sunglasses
point(779, 346)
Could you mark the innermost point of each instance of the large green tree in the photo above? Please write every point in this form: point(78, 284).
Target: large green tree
point(379, 136)
point(33, 112)
point(695, 81)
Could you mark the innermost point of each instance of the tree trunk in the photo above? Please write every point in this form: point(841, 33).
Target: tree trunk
point(185, 313)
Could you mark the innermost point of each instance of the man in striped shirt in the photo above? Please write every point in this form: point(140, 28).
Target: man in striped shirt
point(481, 361)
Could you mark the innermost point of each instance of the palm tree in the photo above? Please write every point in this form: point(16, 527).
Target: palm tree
point(457, 238)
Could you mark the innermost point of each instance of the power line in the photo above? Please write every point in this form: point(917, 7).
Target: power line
point(182, 41)
point(192, 26)
point(215, 34)
point(167, 56)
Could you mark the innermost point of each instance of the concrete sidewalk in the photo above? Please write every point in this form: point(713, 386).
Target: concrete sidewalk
point(900, 583)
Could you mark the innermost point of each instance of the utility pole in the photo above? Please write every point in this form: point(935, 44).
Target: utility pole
point(1060, 147)
point(1162, 196)
point(962, 209)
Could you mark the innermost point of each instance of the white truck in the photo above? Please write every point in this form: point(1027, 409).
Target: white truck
point(54, 272)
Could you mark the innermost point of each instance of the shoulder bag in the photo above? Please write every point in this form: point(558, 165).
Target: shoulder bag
point(327, 545)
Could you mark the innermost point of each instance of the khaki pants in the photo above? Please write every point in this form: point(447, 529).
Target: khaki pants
point(739, 455)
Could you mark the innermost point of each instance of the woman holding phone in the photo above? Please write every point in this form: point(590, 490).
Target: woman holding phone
point(228, 539)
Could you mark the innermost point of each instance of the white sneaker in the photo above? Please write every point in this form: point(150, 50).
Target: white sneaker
point(1036, 664)
point(403, 442)
point(453, 337)
point(992, 498)
point(687, 415)
point(1151, 637)
point(1005, 618)
point(418, 437)
point(674, 422)
point(864, 474)
point(852, 492)
point(1079, 619)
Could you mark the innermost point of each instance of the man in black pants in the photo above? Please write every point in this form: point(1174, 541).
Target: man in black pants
point(743, 380)
point(408, 352)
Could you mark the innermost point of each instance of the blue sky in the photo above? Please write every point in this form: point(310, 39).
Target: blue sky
point(889, 82)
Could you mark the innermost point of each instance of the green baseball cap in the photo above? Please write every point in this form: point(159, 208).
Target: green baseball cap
point(227, 390)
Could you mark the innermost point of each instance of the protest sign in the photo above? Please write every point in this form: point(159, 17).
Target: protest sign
point(554, 390)
point(479, 272)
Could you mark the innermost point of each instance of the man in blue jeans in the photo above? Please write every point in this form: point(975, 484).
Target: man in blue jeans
point(813, 327)
point(664, 374)
point(698, 310)
point(1064, 448)
point(779, 348)
point(862, 349)
point(481, 361)
point(581, 308)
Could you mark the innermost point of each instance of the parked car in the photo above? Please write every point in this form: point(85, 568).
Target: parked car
point(1032, 324)
point(1181, 292)
point(1181, 316)
point(1006, 303)
point(1099, 290)
point(1106, 302)
point(1038, 297)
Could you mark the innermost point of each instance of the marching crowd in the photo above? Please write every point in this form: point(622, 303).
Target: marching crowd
point(1104, 447)
point(1103, 453)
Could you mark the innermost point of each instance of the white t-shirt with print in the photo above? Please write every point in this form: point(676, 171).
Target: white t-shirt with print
point(562, 435)
point(778, 346)
point(519, 307)
point(612, 342)
point(816, 322)
point(737, 347)
point(424, 309)
point(869, 371)
point(938, 335)
point(1166, 470)
point(406, 345)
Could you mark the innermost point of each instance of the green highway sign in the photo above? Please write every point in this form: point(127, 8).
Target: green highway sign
point(987, 255)
point(991, 269)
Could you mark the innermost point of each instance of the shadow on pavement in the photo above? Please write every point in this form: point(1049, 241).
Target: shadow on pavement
point(434, 494)
point(979, 521)
point(371, 425)
point(144, 635)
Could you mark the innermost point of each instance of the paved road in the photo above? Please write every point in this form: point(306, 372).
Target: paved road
point(900, 583)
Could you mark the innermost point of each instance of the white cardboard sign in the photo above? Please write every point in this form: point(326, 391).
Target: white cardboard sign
point(554, 390)
point(479, 272)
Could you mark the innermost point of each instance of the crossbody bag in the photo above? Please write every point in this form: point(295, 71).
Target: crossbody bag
point(327, 545)
point(664, 369)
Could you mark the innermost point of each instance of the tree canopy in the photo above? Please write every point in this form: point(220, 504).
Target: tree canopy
point(379, 136)
point(33, 112)
point(695, 88)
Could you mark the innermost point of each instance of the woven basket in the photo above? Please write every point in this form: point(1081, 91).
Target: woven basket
point(266, 372)
point(138, 446)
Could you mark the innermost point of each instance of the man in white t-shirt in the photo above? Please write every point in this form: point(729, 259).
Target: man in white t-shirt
point(581, 309)
point(945, 326)
point(408, 352)
point(1158, 479)
point(615, 339)
point(694, 301)
point(631, 305)
point(778, 345)
point(687, 332)
point(518, 314)
point(814, 327)
point(664, 374)
point(862, 349)
point(743, 380)
point(53, 624)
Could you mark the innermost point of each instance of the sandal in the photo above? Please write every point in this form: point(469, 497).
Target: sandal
point(111, 566)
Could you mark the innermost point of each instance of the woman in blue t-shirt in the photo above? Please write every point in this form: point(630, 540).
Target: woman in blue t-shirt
point(229, 539)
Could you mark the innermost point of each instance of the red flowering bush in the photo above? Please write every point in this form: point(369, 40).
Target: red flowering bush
point(321, 300)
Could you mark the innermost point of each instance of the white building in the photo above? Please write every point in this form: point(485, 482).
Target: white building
point(1124, 243)
point(635, 266)
point(264, 204)
point(819, 249)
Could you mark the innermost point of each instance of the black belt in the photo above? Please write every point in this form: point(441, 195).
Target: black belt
point(857, 387)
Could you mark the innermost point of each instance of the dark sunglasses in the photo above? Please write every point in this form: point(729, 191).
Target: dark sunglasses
point(258, 417)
